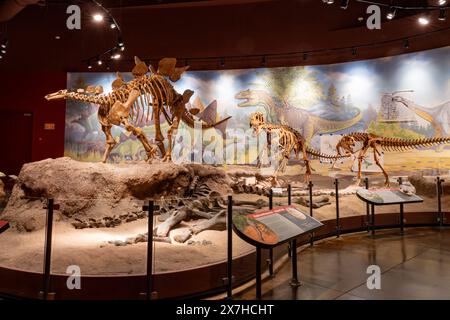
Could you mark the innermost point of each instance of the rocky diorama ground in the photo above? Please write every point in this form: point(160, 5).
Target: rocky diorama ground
point(100, 219)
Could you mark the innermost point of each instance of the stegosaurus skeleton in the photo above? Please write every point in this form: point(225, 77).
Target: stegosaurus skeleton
point(347, 144)
point(288, 140)
point(127, 101)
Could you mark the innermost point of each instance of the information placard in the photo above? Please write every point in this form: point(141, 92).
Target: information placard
point(272, 227)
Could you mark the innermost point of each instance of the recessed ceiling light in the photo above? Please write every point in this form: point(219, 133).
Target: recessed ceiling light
point(442, 14)
point(57, 37)
point(98, 17)
point(424, 21)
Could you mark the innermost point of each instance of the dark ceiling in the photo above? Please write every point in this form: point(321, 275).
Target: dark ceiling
point(242, 31)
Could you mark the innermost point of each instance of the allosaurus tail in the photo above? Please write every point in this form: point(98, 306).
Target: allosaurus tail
point(397, 144)
point(316, 154)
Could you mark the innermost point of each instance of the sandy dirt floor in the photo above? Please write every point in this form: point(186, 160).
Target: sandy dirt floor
point(90, 250)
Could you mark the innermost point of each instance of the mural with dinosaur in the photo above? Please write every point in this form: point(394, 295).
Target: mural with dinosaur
point(405, 96)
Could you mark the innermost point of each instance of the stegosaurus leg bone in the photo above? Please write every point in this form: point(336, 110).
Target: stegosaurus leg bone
point(139, 133)
point(110, 142)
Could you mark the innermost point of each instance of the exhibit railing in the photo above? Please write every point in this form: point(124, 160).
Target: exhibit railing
point(87, 248)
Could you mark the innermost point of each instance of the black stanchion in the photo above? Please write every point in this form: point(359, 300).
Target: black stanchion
point(230, 249)
point(372, 208)
point(149, 276)
point(270, 260)
point(258, 273)
point(338, 225)
point(402, 218)
point(48, 250)
point(366, 184)
point(439, 195)
point(294, 281)
point(289, 191)
point(310, 186)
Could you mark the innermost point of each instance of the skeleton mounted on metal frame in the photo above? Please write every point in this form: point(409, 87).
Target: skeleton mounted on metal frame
point(348, 143)
point(127, 100)
point(289, 140)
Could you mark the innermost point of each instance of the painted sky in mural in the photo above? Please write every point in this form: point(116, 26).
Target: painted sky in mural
point(315, 100)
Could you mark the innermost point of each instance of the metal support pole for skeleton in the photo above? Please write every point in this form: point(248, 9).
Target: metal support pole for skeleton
point(372, 207)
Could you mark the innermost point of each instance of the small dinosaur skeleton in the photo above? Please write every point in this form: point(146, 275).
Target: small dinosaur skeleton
point(288, 139)
point(348, 143)
point(126, 104)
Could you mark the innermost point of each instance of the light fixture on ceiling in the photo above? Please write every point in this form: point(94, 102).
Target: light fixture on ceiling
point(115, 54)
point(344, 4)
point(4, 44)
point(99, 61)
point(423, 21)
point(98, 17)
point(113, 25)
point(328, 1)
point(391, 13)
point(442, 14)
point(89, 65)
point(442, 2)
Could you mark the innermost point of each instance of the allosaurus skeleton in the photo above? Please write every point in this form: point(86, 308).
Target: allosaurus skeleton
point(127, 100)
point(348, 143)
point(289, 140)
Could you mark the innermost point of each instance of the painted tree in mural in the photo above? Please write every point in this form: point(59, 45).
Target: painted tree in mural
point(294, 87)
point(333, 97)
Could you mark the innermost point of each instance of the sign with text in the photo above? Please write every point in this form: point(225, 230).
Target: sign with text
point(271, 227)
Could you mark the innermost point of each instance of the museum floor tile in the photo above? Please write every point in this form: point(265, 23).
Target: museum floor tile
point(413, 266)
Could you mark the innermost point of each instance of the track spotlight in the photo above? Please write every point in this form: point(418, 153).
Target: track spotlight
point(115, 54)
point(113, 25)
point(4, 44)
point(99, 61)
point(98, 17)
point(328, 1)
point(89, 65)
point(3, 51)
point(423, 21)
point(391, 14)
point(442, 14)
point(442, 2)
point(344, 4)
point(122, 48)
point(120, 42)
point(406, 44)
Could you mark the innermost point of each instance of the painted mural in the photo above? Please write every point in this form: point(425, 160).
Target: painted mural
point(405, 96)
